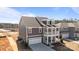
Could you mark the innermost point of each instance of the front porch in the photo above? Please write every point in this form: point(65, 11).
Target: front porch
point(49, 40)
point(50, 35)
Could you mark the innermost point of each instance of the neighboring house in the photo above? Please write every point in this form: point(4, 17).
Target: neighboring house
point(37, 30)
point(69, 30)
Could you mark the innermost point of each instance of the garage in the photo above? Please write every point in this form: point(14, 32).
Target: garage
point(34, 40)
point(65, 35)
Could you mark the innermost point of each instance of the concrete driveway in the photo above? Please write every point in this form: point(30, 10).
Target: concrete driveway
point(40, 47)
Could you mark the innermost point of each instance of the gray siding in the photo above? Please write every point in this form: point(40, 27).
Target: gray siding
point(71, 32)
point(22, 32)
point(27, 22)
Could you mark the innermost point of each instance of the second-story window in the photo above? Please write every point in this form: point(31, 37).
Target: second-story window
point(53, 31)
point(40, 30)
point(48, 22)
point(49, 30)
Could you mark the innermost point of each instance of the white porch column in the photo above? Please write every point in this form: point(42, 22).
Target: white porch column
point(47, 35)
point(26, 35)
point(47, 39)
point(51, 33)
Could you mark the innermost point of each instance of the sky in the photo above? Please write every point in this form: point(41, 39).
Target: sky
point(13, 14)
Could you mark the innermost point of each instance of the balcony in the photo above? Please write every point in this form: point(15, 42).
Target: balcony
point(50, 33)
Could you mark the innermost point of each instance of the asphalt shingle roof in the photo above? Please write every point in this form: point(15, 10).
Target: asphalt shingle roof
point(29, 21)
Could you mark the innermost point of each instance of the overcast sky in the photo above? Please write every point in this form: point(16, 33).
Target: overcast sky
point(13, 15)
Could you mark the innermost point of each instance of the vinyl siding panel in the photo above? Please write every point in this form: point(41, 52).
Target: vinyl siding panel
point(22, 32)
point(71, 32)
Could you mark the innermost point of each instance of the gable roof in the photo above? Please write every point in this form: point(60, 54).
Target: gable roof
point(33, 21)
point(29, 21)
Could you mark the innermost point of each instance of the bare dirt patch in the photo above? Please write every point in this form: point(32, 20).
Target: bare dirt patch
point(5, 45)
point(72, 45)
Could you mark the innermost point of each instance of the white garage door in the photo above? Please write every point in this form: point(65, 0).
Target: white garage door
point(65, 35)
point(34, 40)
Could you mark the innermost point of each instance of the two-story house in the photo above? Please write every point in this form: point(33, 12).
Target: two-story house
point(38, 30)
point(69, 30)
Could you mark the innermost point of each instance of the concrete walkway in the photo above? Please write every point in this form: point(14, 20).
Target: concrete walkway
point(40, 47)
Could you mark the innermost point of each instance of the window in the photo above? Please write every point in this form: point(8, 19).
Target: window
point(53, 31)
point(53, 39)
point(56, 29)
point(49, 39)
point(49, 29)
point(48, 22)
point(30, 30)
point(40, 30)
point(44, 22)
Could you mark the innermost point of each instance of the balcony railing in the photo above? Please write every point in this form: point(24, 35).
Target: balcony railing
point(50, 33)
